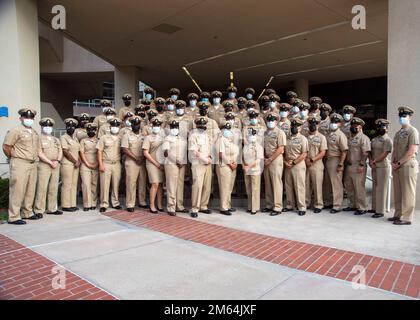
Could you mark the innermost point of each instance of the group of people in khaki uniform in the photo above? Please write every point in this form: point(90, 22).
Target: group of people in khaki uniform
point(304, 153)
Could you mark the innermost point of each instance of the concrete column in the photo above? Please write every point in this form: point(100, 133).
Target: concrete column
point(404, 63)
point(19, 63)
point(301, 87)
point(126, 81)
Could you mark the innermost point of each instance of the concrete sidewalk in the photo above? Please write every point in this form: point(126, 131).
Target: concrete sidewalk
point(136, 263)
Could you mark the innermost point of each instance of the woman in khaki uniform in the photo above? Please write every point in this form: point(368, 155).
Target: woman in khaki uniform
point(135, 167)
point(295, 169)
point(253, 166)
point(226, 168)
point(89, 168)
point(80, 132)
point(70, 166)
point(50, 157)
point(175, 153)
point(380, 163)
point(155, 170)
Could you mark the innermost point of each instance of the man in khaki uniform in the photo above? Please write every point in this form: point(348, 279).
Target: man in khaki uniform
point(184, 122)
point(325, 111)
point(127, 106)
point(102, 118)
point(109, 160)
point(249, 93)
point(274, 143)
point(379, 161)
point(216, 106)
point(135, 165)
point(175, 152)
point(253, 166)
point(89, 168)
point(291, 96)
point(405, 168)
point(324, 128)
point(317, 147)
point(174, 93)
point(105, 128)
point(241, 113)
point(295, 169)
point(232, 91)
point(199, 147)
point(70, 166)
point(170, 110)
point(21, 145)
point(355, 174)
point(336, 156)
point(80, 132)
point(50, 156)
point(126, 124)
point(226, 167)
point(348, 114)
point(265, 107)
point(284, 122)
point(192, 110)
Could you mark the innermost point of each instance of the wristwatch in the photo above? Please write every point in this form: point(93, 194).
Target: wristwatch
point(399, 163)
point(361, 164)
point(311, 160)
point(293, 162)
point(340, 165)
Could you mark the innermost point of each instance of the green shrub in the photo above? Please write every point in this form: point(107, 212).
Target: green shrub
point(4, 193)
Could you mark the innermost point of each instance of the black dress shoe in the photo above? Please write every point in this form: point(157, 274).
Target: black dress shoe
point(360, 212)
point(86, 209)
point(267, 210)
point(153, 211)
point(393, 219)
point(333, 211)
point(371, 211)
point(117, 207)
point(248, 211)
point(66, 209)
point(92, 208)
point(301, 213)
point(317, 210)
point(172, 214)
point(226, 212)
point(56, 213)
point(274, 213)
point(232, 210)
point(286, 210)
point(378, 215)
point(74, 209)
point(194, 214)
point(34, 217)
point(161, 210)
point(328, 207)
point(253, 213)
point(102, 210)
point(130, 209)
point(39, 215)
point(348, 209)
point(182, 211)
point(402, 223)
point(143, 206)
point(206, 211)
point(17, 222)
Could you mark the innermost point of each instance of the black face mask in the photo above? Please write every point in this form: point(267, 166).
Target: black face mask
point(354, 130)
point(203, 112)
point(91, 134)
point(141, 114)
point(159, 108)
point(70, 130)
point(135, 128)
point(241, 106)
point(229, 109)
point(202, 127)
point(294, 130)
point(312, 127)
point(381, 131)
point(127, 103)
point(323, 115)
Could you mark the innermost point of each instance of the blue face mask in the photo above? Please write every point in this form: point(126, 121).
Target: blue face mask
point(303, 113)
point(295, 109)
point(232, 95)
point(254, 121)
point(404, 121)
point(227, 133)
point(346, 117)
point(271, 124)
point(171, 107)
point(283, 114)
point(180, 112)
point(28, 123)
point(272, 105)
point(205, 99)
point(148, 96)
point(216, 101)
point(249, 96)
point(174, 97)
point(193, 103)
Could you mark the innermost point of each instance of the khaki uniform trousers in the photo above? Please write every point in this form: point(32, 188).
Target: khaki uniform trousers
point(23, 176)
point(136, 179)
point(47, 188)
point(355, 186)
point(380, 191)
point(201, 185)
point(174, 187)
point(89, 182)
point(295, 179)
point(253, 191)
point(405, 181)
point(314, 184)
point(69, 178)
point(336, 181)
point(274, 184)
point(110, 178)
point(226, 178)
point(326, 186)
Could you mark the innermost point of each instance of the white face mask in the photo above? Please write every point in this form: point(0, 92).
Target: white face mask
point(128, 123)
point(216, 101)
point(193, 103)
point(232, 95)
point(284, 114)
point(303, 113)
point(254, 121)
point(115, 130)
point(47, 130)
point(28, 122)
point(174, 132)
point(227, 133)
point(347, 117)
point(271, 124)
point(333, 126)
point(295, 109)
point(148, 96)
point(249, 96)
point(109, 117)
point(272, 105)
point(180, 112)
point(404, 121)
point(252, 138)
point(155, 129)
point(171, 107)
point(174, 97)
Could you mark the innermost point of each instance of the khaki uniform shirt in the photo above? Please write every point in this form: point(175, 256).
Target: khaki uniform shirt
point(50, 146)
point(199, 142)
point(110, 145)
point(177, 149)
point(72, 145)
point(254, 152)
point(379, 145)
point(296, 145)
point(284, 125)
point(100, 120)
point(403, 139)
point(185, 126)
point(316, 143)
point(358, 144)
point(324, 126)
point(212, 129)
point(337, 143)
point(273, 139)
point(230, 151)
point(134, 142)
point(88, 148)
point(25, 143)
point(80, 134)
point(153, 143)
point(346, 129)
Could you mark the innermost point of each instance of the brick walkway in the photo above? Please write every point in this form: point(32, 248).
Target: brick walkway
point(386, 274)
point(26, 275)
